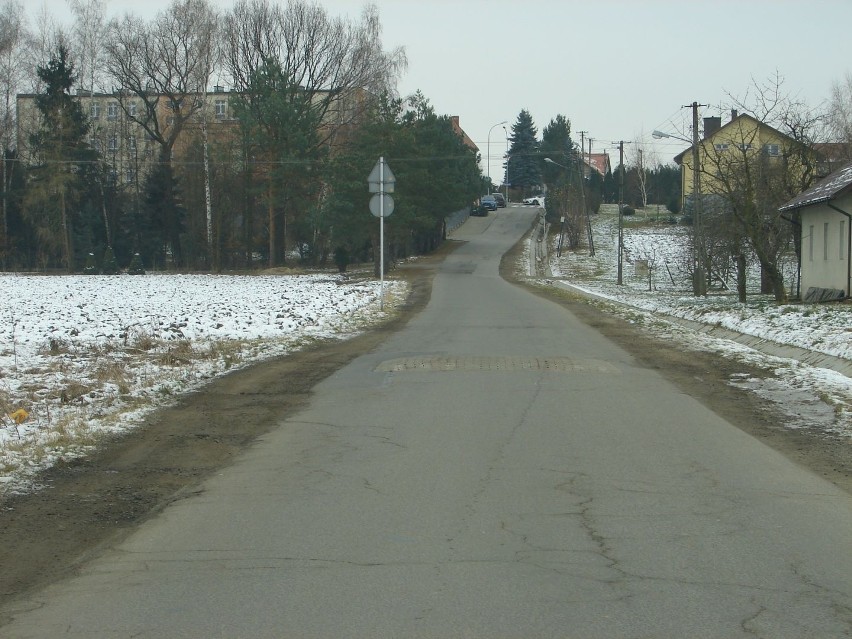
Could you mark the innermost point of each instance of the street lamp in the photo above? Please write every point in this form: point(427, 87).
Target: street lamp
point(488, 161)
point(699, 282)
point(506, 131)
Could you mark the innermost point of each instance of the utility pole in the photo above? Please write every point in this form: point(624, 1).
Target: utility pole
point(699, 283)
point(582, 172)
point(621, 144)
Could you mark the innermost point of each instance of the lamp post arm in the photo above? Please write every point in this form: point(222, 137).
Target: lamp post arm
point(488, 161)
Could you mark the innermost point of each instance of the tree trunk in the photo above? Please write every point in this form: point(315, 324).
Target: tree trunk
point(4, 247)
point(741, 278)
point(208, 202)
point(66, 229)
point(272, 231)
point(772, 278)
point(765, 280)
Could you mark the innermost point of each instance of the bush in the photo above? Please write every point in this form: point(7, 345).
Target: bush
point(673, 205)
point(341, 258)
point(110, 265)
point(627, 210)
point(91, 267)
point(136, 267)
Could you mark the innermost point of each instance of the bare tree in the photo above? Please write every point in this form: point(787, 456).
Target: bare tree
point(13, 37)
point(327, 71)
point(839, 114)
point(206, 20)
point(330, 59)
point(164, 66)
point(89, 31)
point(639, 158)
point(751, 173)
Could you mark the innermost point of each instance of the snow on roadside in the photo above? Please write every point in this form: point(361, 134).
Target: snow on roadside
point(82, 356)
point(826, 395)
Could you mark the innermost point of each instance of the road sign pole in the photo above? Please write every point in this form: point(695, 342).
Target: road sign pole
point(382, 233)
point(381, 182)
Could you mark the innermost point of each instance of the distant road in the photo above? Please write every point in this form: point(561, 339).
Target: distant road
point(496, 469)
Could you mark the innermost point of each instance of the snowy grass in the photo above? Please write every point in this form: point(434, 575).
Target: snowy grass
point(656, 298)
point(86, 356)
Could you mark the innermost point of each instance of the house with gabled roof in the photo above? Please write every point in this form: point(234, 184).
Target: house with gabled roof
point(742, 138)
point(825, 213)
point(454, 120)
point(596, 162)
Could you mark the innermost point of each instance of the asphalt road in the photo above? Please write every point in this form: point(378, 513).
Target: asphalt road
point(495, 469)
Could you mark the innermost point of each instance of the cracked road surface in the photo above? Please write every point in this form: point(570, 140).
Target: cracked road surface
point(496, 468)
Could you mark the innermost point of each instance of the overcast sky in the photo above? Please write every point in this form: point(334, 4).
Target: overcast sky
point(617, 69)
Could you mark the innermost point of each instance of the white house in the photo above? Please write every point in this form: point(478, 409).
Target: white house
point(826, 216)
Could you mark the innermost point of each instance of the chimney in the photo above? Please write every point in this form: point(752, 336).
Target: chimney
point(734, 114)
point(711, 125)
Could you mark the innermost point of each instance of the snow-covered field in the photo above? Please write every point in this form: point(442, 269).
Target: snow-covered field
point(812, 396)
point(81, 356)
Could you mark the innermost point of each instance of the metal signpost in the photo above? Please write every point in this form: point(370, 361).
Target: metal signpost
point(381, 182)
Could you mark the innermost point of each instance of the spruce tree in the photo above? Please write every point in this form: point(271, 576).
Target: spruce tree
point(136, 267)
point(525, 159)
point(62, 156)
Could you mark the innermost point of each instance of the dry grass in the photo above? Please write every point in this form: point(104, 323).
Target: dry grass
point(178, 353)
point(113, 372)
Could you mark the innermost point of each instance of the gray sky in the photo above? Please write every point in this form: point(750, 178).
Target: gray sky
point(617, 69)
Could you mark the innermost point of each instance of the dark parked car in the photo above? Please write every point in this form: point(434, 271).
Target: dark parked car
point(488, 202)
point(477, 210)
point(501, 201)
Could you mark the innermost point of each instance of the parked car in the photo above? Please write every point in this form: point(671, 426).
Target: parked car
point(477, 210)
point(501, 201)
point(488, 202)
point(535, 200)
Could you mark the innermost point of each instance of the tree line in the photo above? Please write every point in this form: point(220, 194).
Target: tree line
point(312, 107)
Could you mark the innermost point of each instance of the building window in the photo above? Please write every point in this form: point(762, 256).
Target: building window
point(131, 109)
point(811, 243)
point(129, 175)
point(772, 150)
point(744, 147)
point(220, 109)
point(113, 144)
point(95, 111)
point(825, 241)
point(721, 147)
point(131, 143)
point(112, 111)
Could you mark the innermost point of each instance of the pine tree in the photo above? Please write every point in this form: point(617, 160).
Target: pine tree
point(160, 226)
point(63, 156)
point(524, 153)
point(136, 267)
point(110, 265)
